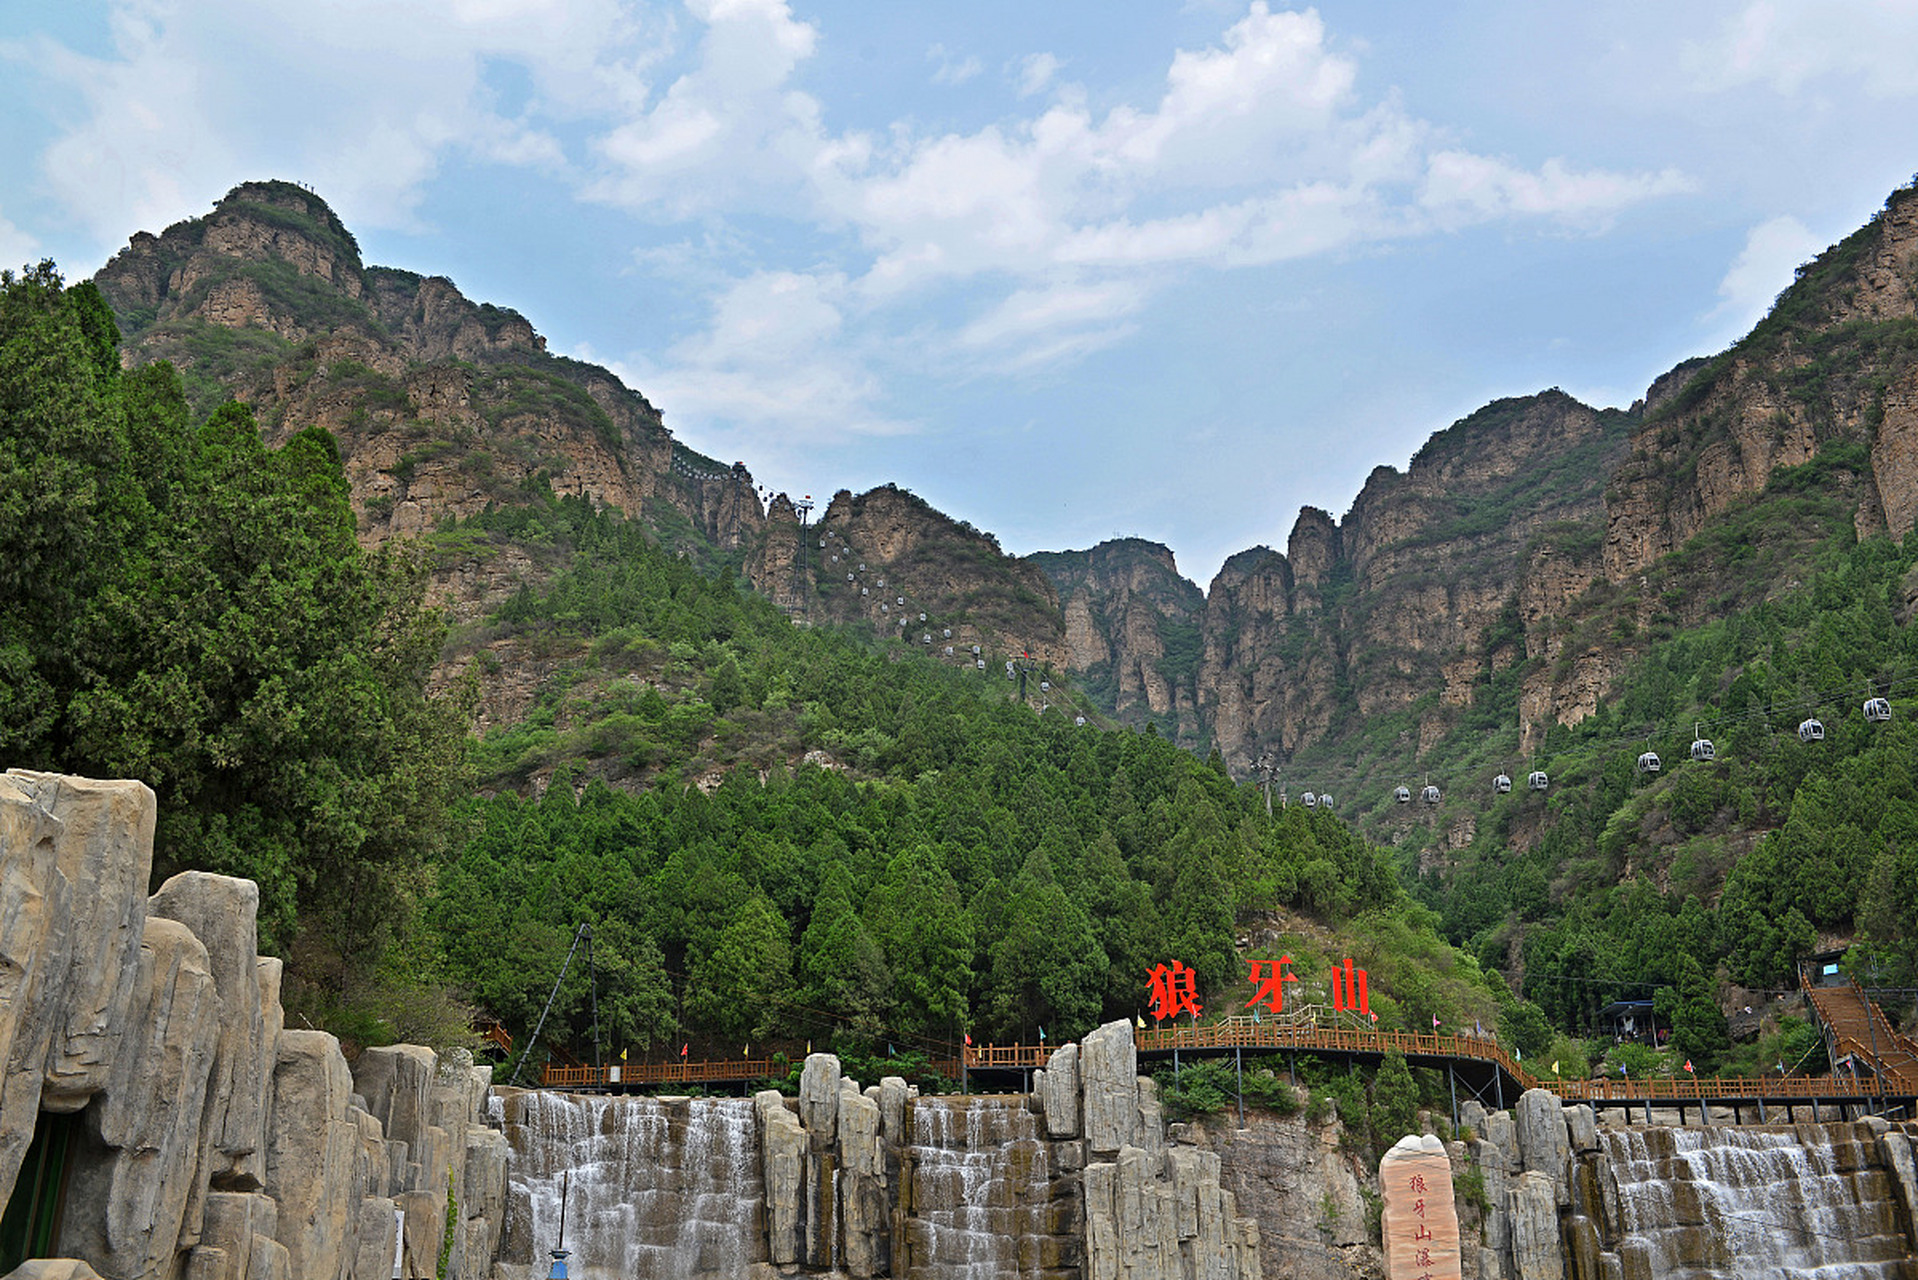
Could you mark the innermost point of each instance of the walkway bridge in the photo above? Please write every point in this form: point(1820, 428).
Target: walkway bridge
point(1475, 1065)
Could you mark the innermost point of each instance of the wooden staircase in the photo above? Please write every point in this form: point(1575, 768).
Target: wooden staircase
point(1854, 1025)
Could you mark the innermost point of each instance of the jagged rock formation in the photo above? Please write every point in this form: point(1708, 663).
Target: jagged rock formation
point(210, 1143)
point(882, 558)
point(1417, 592)
point(440, 405)
point(1132, 625)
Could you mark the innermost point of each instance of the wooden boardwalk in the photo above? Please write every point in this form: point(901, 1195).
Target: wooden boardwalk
point(1479, 1063)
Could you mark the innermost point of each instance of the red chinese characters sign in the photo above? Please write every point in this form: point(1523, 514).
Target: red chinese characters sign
point(1270, 992)
point(1420, 1222)
point(1172, 989)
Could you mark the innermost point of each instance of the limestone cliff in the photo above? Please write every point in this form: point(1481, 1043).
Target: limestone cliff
point(1831, 364)
point(1438, 577)
point(441, 406)
point(886, 559)
point(1132, 627)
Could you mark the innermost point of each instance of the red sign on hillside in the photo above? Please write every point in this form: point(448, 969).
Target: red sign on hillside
point(1348, 989)
point(1172, 989)
point(1271, 991)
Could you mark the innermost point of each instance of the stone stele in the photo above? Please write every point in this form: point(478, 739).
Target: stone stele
point(1420, 1224)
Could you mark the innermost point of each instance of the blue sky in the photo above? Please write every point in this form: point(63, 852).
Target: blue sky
point(1067, 270)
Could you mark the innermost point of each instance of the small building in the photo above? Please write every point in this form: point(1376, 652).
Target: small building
point(1628, 1020)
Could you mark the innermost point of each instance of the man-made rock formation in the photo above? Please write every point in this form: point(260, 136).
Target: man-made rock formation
point(1419, 1223)
point(208, 1143)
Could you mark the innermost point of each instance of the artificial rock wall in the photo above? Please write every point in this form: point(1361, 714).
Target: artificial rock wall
point(214, 1143)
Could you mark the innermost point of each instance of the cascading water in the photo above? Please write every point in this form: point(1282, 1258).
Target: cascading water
point(1753, 1204)
point(657, 1189)
point(980, 1193)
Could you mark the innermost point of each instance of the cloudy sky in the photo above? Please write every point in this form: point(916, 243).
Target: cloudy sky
point(1068, 270)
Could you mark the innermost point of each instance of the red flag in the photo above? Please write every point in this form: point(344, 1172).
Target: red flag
point(1688, 1064)
point(968, 1040)
point(683, 1048)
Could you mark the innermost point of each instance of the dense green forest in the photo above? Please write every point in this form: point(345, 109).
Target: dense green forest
point(182, 605)
point(951, 862)
point(1614, 882)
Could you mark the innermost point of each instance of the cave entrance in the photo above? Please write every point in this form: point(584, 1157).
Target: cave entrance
point(31, 1222)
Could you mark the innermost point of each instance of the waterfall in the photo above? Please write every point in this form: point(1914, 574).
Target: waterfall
point(1753, 1204)
point(657, 1189)
point(980, 1192)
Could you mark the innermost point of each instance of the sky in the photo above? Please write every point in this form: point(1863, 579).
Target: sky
point(1069, 271)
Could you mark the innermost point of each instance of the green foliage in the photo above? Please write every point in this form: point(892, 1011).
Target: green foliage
point(962, 866)
point(182, 605)
point(1395, 1100)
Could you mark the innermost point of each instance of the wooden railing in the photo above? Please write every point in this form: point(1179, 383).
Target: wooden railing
point(1248, 1033)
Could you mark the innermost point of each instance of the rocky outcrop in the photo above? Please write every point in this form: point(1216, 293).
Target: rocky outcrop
point(1152, 1212)
point(212, 1144)
point(1132, 625)
point(884, 558)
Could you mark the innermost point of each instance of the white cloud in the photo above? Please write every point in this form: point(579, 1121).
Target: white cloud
point(1773, 251)
point(1071, 318)
point(729, 133)
point(1035, 73)
point(775, 362)
point(17, 248)
point(951, 70)
point(1787, 45)
point(363, 100)
point(1462, 188)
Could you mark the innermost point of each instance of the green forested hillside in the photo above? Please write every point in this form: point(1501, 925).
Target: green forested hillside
point(1604, 886)
point(943, 859)
point(182, 605)
point(812, 836)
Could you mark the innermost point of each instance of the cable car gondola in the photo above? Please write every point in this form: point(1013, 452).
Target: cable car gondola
point(1309, 800)
point(1811, 731)
point(1538, 780)
point(1501, 784)
point(1403, 795)
point(1648, 763)
point(1702, 749)
point(1877, 710)
point(1431, 794)
point(1325, 800)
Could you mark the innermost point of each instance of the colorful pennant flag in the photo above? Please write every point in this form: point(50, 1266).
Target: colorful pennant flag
point(1435, 1021)
point(1688, 1066)
point(683, 1048)
point(1554, 1066)
point(1042, 1035)
point(968, 1040)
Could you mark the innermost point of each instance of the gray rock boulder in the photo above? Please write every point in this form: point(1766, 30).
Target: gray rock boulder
point(133, 1199)
point(310, 1154)
point(1109, 1073)
point(782, 1155)
point(819, 1098)
point(1537, 1253)
point(1543, 1145)
point(222, 911)
point(1057, 1088)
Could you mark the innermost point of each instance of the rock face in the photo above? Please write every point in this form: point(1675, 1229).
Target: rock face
point(212, 1144)
point(1362, 616)
point(1132, 625)
point(884, 557)
point(441, 407)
